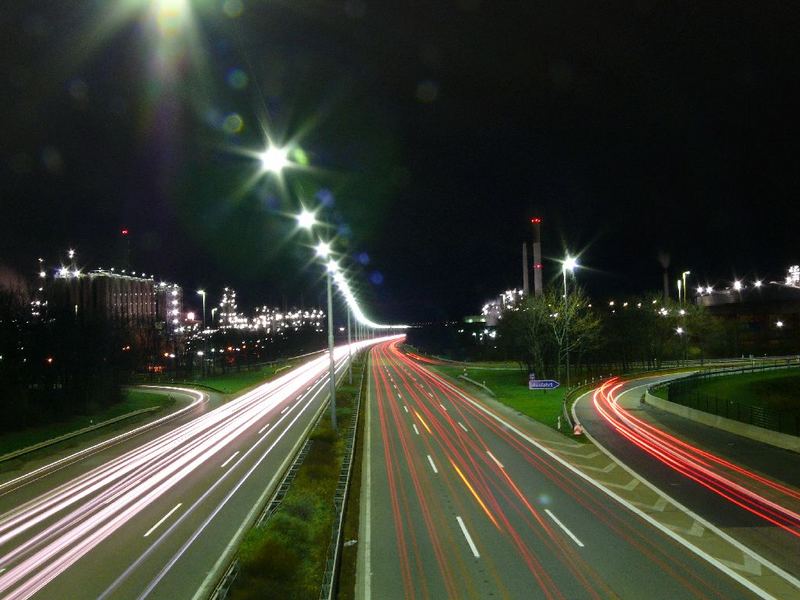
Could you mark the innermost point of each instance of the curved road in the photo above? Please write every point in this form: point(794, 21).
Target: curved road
point(157, 514)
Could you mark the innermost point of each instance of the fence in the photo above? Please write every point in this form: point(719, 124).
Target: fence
point(686, 391)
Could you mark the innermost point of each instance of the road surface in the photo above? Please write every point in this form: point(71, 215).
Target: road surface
point(456, 504)
point(156, 515)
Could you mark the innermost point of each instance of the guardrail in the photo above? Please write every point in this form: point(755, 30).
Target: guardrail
point(684, 391)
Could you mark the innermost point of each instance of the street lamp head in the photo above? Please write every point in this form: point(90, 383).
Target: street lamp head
point(323, 249)
point(737, 285)
point(570, 263)
point(201, 292)
point(679, 330)
point(332, 266)
point(306, 219)
point(779, 324)
point(274, 159)
point(757, 283)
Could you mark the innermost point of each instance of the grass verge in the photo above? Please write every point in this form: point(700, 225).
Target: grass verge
point(285, 559)
point(777, 390)
point(511, 388)
point(132, 400)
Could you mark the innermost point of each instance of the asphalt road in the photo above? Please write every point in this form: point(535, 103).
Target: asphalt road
point(715, 501)
point(456, 505)
point(156, 514)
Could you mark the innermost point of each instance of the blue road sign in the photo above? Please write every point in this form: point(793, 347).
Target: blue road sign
point(543, 384)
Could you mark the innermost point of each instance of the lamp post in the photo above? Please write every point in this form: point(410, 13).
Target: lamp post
point(324, 251)
point(203, 294)
point(570, 263)
point(683, 278)
point(349, 350)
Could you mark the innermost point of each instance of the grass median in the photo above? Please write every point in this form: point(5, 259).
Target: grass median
point(510, 387)
point(285, 559)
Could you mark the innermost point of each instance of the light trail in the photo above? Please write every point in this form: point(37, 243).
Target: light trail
point(500, 498)
point(43, 537)
point(724, 478)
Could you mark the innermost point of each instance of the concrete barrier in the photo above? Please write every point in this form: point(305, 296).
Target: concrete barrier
point(767, 436)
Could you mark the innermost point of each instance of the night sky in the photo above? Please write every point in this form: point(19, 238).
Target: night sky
point(434, 131)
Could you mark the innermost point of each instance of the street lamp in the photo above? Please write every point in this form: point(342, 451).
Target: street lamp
point(306, 219)
point(331, 268)
point(203, 294)
point(570, 264)
point(274, 159)
point(685, 289)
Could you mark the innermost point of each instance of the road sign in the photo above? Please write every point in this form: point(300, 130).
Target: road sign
point(542, 384)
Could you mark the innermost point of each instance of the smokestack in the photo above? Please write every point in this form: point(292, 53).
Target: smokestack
point(525, 287)
point(537, 256)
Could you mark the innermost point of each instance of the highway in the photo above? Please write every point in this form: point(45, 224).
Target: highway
point(156, 513)
point(457, 502)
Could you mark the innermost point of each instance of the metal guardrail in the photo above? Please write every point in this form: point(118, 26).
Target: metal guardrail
point(340, 499)
point(684, 391)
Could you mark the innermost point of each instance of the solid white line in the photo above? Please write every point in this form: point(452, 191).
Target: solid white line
point(223, 465)
point(497, 462)
point(443, 406)
point(469, 539)
point(567, 531)
point(164, 518)
point(462, 427)
point(368, 503)
point(404, 406)
point(414, 425)
point(433, 466)
point(263, 428)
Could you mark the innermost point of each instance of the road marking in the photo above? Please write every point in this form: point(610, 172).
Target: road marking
point(263, 429)
point(469, 538)
point(3, 570)
point(404, 406)
point(443, 407)
point(399, 397)
point(367, 508)
point(560, 524)
point(497, 462)
point(285, 408)
point(460, 424)
point(164, 518)
point(433, 466)
point(414, 425)
point(229, 460)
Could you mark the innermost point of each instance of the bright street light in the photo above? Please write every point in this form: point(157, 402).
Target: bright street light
point(274, 159)
point(779, 324)
point(757, 283)
point(679, 330)
point(306, 219)
point(323, 249)
point(737, 285)
point(570, 263)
